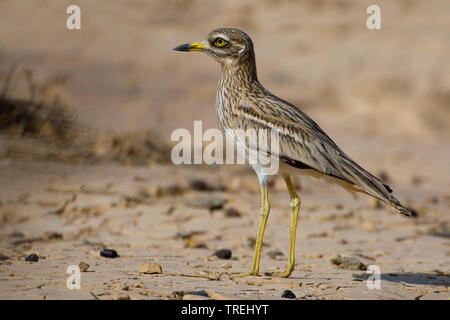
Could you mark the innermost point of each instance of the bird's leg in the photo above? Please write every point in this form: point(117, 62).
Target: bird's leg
point(295, 206)
point(265, 208)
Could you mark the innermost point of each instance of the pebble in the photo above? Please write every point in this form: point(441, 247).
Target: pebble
point(185, 235)
point(149, 268)
point(252, 242)
point(109, 253)
point(348, 263)
point(200, 185)
point(32, 257)
point(83, 266)
point(202, 293)
point(275, 253)
point(223, 254)
point(200, 245)
point(288, 294)
point(121, 296)
point(163, 191)
point(208, 203)
point(232, 213)
point(3, 257)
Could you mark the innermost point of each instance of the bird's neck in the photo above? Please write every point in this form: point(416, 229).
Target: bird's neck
point(241, 74)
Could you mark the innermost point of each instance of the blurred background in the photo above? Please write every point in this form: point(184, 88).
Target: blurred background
point(119, 73)
point(79, 109)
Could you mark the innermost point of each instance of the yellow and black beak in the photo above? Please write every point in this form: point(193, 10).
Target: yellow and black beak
point(194, 46)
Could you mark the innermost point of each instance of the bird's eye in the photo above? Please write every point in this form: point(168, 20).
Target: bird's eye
point(220, 42)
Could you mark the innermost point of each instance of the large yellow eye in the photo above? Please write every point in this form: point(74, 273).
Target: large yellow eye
point(220, 42)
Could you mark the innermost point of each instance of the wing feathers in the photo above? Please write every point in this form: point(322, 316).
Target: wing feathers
point(303, 144)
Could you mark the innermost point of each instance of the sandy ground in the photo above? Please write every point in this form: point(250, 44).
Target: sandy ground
point(383, 96)
point(67, 213)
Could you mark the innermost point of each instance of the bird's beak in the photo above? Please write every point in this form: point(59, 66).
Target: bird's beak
point(194, 46)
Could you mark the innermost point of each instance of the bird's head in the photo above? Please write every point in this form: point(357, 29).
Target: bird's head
point(227, 46)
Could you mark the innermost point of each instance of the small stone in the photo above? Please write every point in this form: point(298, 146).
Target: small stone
point(252, 242)
point(183, 235)
point(121, 296)
point(149, 268)
point(288, 294)
point(219, 296)
point(200, 245)
point(186, 235)
point(318, 235)
point(16, 234)
point(232, 213)
point(83, 266)
point(52, 236)
point(275, 253)
point(200, 185)
point(32, 257)
point(348, 263)
point(3, 257)
point(202, 293)
point(207, 203)
point(163, 191)
point(109, 253)
point(223, 254)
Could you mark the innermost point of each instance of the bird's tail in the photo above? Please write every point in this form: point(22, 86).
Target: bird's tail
point(372, 185)
point(399, 207)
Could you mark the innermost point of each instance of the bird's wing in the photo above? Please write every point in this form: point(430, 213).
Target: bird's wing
point(303, 144)
point(301, 140)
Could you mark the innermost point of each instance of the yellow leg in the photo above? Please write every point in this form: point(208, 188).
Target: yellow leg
point(295, 206)
point(265, 208)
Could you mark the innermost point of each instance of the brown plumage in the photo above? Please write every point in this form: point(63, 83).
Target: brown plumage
point(243, 103)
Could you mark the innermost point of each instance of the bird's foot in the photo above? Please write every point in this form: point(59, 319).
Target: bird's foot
point(286, 273)
point(245, 274)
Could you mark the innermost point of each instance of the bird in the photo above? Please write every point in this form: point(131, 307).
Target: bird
point(304, 148)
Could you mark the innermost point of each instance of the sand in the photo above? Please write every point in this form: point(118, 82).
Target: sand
point(382, 96)
point(68, 213)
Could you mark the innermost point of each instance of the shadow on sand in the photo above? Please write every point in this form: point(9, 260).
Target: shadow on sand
point(432, 279)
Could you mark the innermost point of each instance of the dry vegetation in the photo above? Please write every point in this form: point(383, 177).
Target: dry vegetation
point(43, 127)
point(95, 108)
